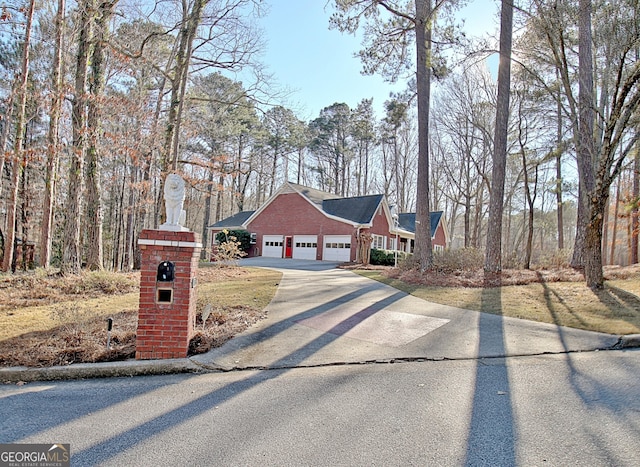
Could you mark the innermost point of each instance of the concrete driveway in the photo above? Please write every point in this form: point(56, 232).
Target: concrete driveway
point(322, 315)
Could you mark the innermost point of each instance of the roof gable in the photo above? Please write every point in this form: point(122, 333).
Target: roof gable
point(358, 210)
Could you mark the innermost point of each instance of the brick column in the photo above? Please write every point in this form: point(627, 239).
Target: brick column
point(165, 320)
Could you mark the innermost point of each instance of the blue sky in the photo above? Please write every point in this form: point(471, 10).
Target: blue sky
point(318, 65)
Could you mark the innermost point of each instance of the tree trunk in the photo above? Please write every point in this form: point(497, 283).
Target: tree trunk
point(579, 244)
point(593, 249)
point(26, 259)
point(493, 258)
point(593, 204)
point(559, 151)
point(94, 216)
point(220, 189)
point(614, 230)
point(51, 169)
point(8, 119)
point(635, 223)
point(12, 203)
point(71, 253)
point(129, 240)
point(190, 23)
point(423, 248)
point(207, 216)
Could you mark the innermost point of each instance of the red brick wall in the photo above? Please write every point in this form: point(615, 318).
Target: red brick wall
point(164, 329)
point(380, 223)
point(290, 214)
point(439, 238)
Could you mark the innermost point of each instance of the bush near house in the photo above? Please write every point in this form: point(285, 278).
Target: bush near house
point(241, 236)
point(386, 257)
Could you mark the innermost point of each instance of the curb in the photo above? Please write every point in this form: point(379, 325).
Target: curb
point(100, 370)
point(130, 368)
point(630, 341)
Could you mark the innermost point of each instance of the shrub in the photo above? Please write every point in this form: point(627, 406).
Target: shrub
point(386, 257)
point(99, 281)
point(556, 259)
point(465, 259)
point(242, 237)
point(229, 248)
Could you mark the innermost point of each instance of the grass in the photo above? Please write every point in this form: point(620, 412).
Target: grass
point(613, 310)
point(49, 320)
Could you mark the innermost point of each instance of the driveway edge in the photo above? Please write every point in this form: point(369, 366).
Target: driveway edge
point(630, 341)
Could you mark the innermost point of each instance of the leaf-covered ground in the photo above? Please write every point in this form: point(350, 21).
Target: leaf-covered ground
point(68, 315)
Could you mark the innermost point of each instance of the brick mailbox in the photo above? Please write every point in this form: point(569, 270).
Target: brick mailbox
point(167, 293)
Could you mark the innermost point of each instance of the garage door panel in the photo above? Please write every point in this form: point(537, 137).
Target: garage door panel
point(272, 246)
point(305, 246)
point(336, 248)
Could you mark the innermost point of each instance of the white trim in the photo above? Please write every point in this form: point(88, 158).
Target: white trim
point(148, 241)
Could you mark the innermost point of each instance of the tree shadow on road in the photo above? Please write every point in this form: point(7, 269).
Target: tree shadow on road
point(127, 439)
point(492, 431)
point(593, 393)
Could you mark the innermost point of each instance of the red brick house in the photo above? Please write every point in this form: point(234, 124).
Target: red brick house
point(304, 223)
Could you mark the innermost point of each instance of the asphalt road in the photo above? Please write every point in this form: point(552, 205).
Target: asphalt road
point(547, 410)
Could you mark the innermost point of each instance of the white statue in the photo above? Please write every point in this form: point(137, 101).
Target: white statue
point(174, 200)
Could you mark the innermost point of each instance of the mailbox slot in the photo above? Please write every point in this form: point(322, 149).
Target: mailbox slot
point(166, 272)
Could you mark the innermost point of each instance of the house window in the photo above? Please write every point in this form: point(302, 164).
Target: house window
point(337, 245)
point(438, 248)
point(306, 245)
point(378, 242)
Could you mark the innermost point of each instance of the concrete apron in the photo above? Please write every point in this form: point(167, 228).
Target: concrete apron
point(332, 316)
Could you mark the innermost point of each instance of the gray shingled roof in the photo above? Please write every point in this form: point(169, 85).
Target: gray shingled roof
point(234, 221)
point(317, 197)
point(407, 221)
point(359, 209)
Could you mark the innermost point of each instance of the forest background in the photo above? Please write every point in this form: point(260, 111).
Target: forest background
point(100, 100)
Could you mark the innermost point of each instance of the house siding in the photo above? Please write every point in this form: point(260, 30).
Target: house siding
point(290, 214)
point(293, 213)
point(439, 238)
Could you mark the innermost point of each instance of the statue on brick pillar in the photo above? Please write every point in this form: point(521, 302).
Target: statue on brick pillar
point(174, 200)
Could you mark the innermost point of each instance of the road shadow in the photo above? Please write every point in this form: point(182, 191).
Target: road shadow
point(492, 432)
point(127, 439)
point(594, 394)
point(13, 426)
point(62, 407)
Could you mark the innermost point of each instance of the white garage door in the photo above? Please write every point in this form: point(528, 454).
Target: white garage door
point(337, 248)
point(305, 246)
point(272, 246)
